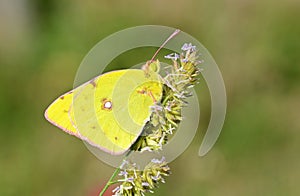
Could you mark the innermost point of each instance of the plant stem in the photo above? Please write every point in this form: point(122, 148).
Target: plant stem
point(110, 181)
point(117, 170)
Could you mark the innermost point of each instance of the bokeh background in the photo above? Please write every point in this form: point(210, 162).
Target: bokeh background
point(255, 43)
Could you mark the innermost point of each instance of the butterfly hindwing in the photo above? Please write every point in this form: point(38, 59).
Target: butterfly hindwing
point(108, 112)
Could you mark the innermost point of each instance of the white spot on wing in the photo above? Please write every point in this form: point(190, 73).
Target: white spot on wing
point(107, 105)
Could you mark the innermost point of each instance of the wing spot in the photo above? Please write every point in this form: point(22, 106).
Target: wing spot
point(93, 127)
point(147, 92)
point(106, 104)
point(116, 138)
point(143, 91)
point(62, 97)
point(92, 82)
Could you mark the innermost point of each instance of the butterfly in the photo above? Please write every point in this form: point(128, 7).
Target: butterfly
point(109, 111)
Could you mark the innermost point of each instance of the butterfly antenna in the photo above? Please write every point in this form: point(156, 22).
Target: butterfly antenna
point(167, 40)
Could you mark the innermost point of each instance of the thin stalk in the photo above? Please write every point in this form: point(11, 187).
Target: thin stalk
point(110, 181)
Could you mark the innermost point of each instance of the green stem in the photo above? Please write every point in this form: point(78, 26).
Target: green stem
point(110, 181)
point(114, 182)
point(117, 170)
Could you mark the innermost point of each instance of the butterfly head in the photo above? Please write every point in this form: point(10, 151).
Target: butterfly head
point(151, 66)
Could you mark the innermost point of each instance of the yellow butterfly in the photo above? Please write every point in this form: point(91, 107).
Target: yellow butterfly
point(109, 111)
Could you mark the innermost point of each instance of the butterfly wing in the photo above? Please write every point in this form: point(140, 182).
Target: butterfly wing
point(108, 112)
point(60, 113)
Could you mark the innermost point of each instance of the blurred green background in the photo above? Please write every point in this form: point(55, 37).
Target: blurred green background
point(255, 43)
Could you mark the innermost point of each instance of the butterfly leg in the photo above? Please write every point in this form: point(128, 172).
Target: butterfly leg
point(152, 97)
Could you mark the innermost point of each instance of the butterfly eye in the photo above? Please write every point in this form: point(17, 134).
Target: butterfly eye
point(106, 104)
